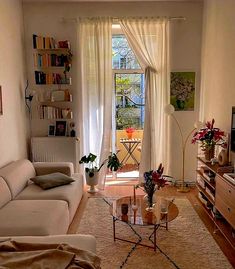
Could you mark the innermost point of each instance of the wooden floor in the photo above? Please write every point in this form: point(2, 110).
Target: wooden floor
point(124, 190)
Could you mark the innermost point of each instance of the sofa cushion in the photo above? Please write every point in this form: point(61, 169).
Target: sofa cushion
point(80, 241)
point(43, 168)
point(71, 193)
point(5, 194)
point(52, 180)
point(17, 174)
point(19, 217)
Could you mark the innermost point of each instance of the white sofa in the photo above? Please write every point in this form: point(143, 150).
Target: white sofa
point(27, 210)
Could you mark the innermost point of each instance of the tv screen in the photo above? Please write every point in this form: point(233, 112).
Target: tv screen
point(233, 130)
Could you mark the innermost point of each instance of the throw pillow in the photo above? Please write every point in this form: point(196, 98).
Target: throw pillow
point(52, 180)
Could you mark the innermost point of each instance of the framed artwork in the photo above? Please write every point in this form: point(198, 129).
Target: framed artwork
point(60, 128)
point(182, 90)
point(51, 130)
point(1, 111)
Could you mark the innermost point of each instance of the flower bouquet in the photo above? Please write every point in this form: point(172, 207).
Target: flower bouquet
point(209, 136)
point(153, 180)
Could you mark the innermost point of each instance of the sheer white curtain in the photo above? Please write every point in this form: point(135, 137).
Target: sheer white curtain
point(95, 97)
point(148, 38)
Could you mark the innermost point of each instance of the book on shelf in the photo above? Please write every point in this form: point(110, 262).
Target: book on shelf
point(49, 60)
point(41, 42)
point(45, 42)
point(50, 78)
point(210, 193)
point(209, 176)
point(204, 169)
point(201, 182)
point(202, 198)
point(51, 112)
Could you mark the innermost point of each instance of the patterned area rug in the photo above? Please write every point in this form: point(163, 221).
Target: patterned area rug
point(187, 242)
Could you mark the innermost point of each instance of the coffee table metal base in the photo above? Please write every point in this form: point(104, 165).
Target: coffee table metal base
point(154, 234)
point(138, 242)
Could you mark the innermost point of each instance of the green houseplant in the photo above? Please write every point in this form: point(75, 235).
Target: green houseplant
point(92, 169)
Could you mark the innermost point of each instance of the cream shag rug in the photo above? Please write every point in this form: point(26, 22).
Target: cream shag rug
point(187, 242)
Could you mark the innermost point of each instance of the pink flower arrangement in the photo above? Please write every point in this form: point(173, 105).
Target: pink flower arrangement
point(209, 136)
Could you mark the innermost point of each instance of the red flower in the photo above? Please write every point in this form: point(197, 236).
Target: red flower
point(209, 135)
point(130, 130)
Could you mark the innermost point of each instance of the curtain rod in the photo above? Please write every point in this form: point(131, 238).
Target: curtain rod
point(116, 19)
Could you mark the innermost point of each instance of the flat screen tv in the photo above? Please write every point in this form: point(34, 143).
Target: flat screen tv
point(233, 130)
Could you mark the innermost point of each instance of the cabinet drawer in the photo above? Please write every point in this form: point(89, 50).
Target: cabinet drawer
point(225, 191)
point(227, 211)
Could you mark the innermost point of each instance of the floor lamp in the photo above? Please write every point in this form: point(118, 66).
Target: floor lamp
point(169, 110)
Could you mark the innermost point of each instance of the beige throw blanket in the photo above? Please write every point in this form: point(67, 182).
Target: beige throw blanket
point(16, 255)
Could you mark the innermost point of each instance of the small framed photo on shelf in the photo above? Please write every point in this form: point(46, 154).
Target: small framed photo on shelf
point(51, 130)
point(60, 129)
point(1, 111)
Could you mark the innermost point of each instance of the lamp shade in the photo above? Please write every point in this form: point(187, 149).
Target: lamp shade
point(169, 109)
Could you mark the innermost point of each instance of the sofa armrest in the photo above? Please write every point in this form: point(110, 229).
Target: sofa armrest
point(43, 168)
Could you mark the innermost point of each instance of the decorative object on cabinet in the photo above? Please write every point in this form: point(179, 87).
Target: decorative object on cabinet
point(208, 137)
point(169, 110)
point(61, 127)
point(223, 157)
point(51, 130)
point(218, 196)
point(1, 110)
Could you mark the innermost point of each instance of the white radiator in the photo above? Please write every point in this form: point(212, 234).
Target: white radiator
point(55, 149)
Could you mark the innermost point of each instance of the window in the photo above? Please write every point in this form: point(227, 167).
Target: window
point(123, 56)
point(129, 85)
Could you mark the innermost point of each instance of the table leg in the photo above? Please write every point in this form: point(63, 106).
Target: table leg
point(114, 229)
point(130, 148)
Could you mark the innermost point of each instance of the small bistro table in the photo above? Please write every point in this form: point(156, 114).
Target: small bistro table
point(125, 210)
point(130, 145)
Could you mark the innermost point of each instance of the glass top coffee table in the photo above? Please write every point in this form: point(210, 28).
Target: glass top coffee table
point(134, 213)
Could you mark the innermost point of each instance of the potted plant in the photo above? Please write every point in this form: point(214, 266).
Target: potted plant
point(130, 131)
point(209, 136)
point(92, 169)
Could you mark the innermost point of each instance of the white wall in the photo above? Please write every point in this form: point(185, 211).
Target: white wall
point(45, 18)
point(13, 130)
point(218, 62)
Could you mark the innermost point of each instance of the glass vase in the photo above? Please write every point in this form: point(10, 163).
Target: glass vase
point(150, 201)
